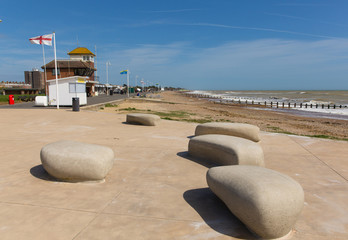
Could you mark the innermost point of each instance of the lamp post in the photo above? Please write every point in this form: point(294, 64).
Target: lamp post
point(107, 74)
point(107, 77)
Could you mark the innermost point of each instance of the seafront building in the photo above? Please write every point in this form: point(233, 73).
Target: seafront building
point(81, 63)
point(7, 88)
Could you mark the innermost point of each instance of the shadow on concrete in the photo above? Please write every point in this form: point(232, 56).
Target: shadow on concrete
point(215, 213)
point(202, 162)
point(136, 124)
point(39, 172)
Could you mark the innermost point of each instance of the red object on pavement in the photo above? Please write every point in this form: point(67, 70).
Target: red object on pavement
point(11, 99)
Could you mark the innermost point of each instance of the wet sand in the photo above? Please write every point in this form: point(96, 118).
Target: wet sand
point(177, 106)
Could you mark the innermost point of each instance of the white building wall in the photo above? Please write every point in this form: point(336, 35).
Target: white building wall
point(65, 96)
point(82, 57)
point(76, 57)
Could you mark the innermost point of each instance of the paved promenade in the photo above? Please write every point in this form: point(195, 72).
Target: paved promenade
point(90, 101)
point(154, 191)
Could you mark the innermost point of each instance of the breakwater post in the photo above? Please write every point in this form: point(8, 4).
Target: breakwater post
point(224, 100)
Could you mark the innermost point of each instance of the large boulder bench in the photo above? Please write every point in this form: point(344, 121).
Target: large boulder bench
point(242, 130)
point(76, 161)
point(143, 119)
point(226, 150)
point(266, 201)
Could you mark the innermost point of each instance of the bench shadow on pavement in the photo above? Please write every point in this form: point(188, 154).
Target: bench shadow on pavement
point(202, 162)
point(39, 172)
point(215, 213)
point(212, 210)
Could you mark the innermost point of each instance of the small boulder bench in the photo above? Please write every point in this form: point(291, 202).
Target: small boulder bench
point(266, 201)
point(226, 150)
point(242, 130)
point(143, 119)
point(77, 162)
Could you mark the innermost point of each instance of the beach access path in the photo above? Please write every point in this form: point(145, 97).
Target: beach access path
point(154, 191)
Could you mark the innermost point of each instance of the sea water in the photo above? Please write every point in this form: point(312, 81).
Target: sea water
point(305, 97)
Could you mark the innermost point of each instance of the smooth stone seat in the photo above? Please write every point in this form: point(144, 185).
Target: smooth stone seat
point(242, 130)
point(266, 201)
point(226, 150)
point(143, 119)
point(75, 161)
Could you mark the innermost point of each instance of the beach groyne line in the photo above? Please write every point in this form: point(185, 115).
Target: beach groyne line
point(272, 104)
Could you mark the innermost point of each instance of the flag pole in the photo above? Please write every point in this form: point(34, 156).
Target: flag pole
point(45, 74)
point(55, 65)
point(128, 82)
point(95, 60)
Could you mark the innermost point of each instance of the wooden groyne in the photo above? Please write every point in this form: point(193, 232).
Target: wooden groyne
point(272, 104)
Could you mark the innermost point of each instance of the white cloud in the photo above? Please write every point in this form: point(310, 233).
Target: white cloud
point(259, 64)
point(265, 64)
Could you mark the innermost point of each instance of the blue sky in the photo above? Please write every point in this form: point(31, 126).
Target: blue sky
point(195, 44)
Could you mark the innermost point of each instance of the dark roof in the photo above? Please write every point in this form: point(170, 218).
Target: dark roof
point(69, 64)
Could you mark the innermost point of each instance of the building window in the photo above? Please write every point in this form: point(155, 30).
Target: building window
point(86, 58)
point(77, 88)
point(54, 71)
point(80, 72)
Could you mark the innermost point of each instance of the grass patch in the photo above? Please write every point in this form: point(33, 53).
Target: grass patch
point(101, 108)
point(129, 109)
point(322, 136)
point(279, 130)
point(168, 118)
point(196, 120)
point(111, 105)
point(187, 120)
point(327, 137)
point(223, 120)
point(172, 114)
point(170, 102)
point(273, 128)
point(178, 116)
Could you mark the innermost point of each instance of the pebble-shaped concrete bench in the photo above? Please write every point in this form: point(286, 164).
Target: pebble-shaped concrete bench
point(226, 150)
point(266, 201)
point(143, 119)
point(242, 130)
point(77, 162)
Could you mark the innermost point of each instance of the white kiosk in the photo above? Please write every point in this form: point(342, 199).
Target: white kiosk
point(69, 87)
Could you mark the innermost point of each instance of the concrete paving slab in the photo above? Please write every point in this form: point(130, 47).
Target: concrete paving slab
point(36, 222)
point(335, 158)
point(37, 188)
point(128, 227)
point(155, 190)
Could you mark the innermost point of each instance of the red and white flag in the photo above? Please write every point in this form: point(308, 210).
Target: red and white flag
point(44, 39)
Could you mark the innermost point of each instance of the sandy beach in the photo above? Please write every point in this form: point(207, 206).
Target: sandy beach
point(177, 106)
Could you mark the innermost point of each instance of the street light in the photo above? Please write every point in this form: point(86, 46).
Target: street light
point(107, 74)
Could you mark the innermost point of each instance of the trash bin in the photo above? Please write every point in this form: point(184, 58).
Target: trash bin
point(10, 99)
point(111, 92)
point(75, 104)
